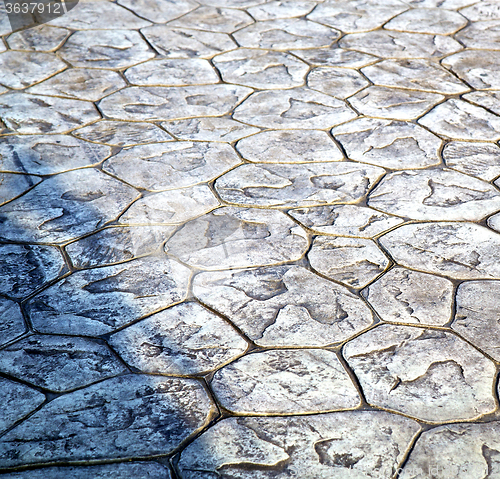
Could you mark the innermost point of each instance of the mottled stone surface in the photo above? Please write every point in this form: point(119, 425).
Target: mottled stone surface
point(11, 321)
point(281, 9)
point(494, 222)
point(481, 35)
point(13, 186)
point(159, 11)
point(428, 20)
point(334, 56)
point(486, 99)
point(41, 38)
point(212, 19)
point(482, 11)
point(337, 82)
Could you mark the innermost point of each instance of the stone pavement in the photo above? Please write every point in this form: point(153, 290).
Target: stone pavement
point(250, 239)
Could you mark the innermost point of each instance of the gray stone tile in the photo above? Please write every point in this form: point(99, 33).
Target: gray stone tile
point(125, 417)
point(428, 374)
point(5, 27)
point(97, 301)
point(405, 296)
point(59, 363)
point(277, 9)
point(159, 11)
point(335, 57)
point(477, 68)
point(352, 261)
point(172, 165)
point(481, 35)
point(285, 382)
point(482, 11)
point(214, 19)
point(11, 321)
point(41, 38)
point(337, 82)
point(486, 99)
point(13, 185)
point(428, 20)
point(284, 305)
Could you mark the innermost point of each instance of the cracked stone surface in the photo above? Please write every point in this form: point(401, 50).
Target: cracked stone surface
point(42, 38)
point(211, 19)
point(12, 186)
point(481, 35)
point(337, 82)
point(159, 11)
point(428, 20)
point(486, 99)
point(12, 322)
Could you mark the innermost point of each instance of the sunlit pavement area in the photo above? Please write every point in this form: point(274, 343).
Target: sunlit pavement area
point(249, 239)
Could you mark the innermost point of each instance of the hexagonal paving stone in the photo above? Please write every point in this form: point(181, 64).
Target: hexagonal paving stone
point(482, 11)
point(60, 363)
point(405, 296)
point(238, 238)
point(343, 445)
point(172, 165)
point(184, 340)
point(486, 99)
point(81, 84)
point(40, 38)
point(428, 20)
point(390, 144)
point(97, 301)
point(459, 120)
point(124, 417)
point(211, 19)
point(351, 261)
point(481, 35)
point(11, 321)
point(335, 57)
point(337, 82)
point(261, 69)
point(281, 9)
point(159, 11)
point(65, 206)
point(457, 250)
point(428, 374)
point(300, 108)
point(284, 305)
point(13, 186)
point(285, 382)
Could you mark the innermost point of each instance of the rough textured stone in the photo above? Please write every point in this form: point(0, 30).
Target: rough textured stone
point(447, 4)
point(481, 35)
point(212, 19)
point(284, 305)
point(11, 321)
point(428, 20)
point(13, 186)
point(337, 82)
point(335, 57)
point(159, 11)
point(428, 374)
point(486, 99)
point(482, 11)
point(281, 9)
point(285, 381)
point(494, 222)
point(41, 38)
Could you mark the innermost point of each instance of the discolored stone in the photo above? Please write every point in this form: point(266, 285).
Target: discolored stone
point(13, 186)
point(428, 20)
point(337, 82)
point(40, 38)
point(486, 99)
point(212, 19)
point(277, 9)
point(11, 321)
point(159, 11)
point(481, 35)
point(335, 57)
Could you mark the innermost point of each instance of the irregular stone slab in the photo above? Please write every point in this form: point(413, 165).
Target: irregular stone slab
point(405, 296)
point(159, 11)
point(40, 38)
point(446, 4)
point(297, 185)
point(427, 20)
point(289, 146)
point(27, 267)
point(428, 374)
point(60, 363)
point(441, 451)
point(435, 195)
point(481, 160)
point(275, 306)
point(346, 444)
point(106, 49)
point(390, 44)
point(173, 206)
point(97, 301)
point(124, 417)
point(285, 382)
point(277, 9)
point(11, 321)
point(482, 11)
point(415, 74)
point(48, 154)
point(481, 35)
point(65, 206)
point(298, 108)
point(212, 19)
point(494, 221)
point(351, 261)
point(261, 69)
point(232, 3)
point(183, 340)
point(117, 244)
point(19, 70)
point(13, 186)
point(394, 103)
point(81, 84)
point(345, 220)
point(209, 129)
point(459, 120)
point(172, 73)
point(390, 144)
point(335, 57)
point(185, 43)
point(238, 238)
point(172, 165)
point(338, 82)
point(121, 133)
point(34, 114)
point(456, 250)
point(163, 103)
point(286, 34)
point(486, 99)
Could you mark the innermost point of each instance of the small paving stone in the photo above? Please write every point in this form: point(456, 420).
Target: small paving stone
point(428, 374)
point(486, 99)
point(405, 296)
point(124, 417)
point(394, 103)
point(428, 20)
point(456, 250)
point(459, 120)
point(65, 206)
point(264, 69)
point(11, 321)
point(277, 9)
point(285, 382)
point(159, 11)
point(390, 144)
point(297, 185)
point(163, 103)
point(12, 185)
point(40, 38)
point(59, 363)
point(343, 445)
point(494, 221)
point(345, 220)
point(183, 340)
point(172, 165)
point(97, 301)
point(81, 84)
point(211, 19)
point(481, 35)
point(286, 34)
point(172, 73)
point(238, 238)
point(106, 49)
point(482, 11)
point(335, 57)
point(300, 108)
point(337, 82)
